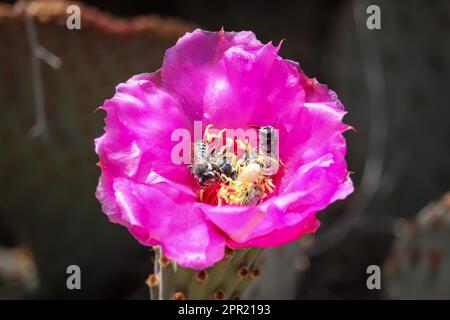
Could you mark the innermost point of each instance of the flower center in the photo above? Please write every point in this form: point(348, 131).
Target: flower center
point(237, 172)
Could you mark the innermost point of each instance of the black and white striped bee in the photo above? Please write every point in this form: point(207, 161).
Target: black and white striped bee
point(268, 142)
point(226, 166)
point(204, 167)
point(254, 196)
point(267, 156)
point(208, 167)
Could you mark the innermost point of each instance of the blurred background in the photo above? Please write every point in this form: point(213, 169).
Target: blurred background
point(394, 82)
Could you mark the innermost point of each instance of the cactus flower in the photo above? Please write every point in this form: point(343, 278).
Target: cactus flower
point(228, 80)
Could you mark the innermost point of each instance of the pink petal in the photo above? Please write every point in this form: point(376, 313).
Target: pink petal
point(313, 150)
point(217, 75)
point(162, 214)
point(138, 127)
point(193, 64)
point(278, 237)
point(230, 80)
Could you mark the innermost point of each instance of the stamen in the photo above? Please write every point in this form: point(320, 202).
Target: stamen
point(209, 137)
point(219, 136)
point(206, 133)
point(248, 186)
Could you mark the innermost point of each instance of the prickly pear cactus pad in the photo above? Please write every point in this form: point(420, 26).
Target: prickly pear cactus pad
point(227, 279)
point(419, 263)
point(47, 181)
point(225, 149)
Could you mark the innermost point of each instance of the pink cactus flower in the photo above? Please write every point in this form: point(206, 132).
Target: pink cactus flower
point(229, 80)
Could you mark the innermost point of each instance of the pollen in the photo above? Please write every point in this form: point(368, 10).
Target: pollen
point(237, 192)
point(240, 170)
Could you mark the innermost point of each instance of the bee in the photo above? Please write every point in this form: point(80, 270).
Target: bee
point(204, 168)
point(226, 167)
point(249, 154)
point(268, 142)
point(254, 196)
point(249, 174)
point(226, 161)
point(267, 156)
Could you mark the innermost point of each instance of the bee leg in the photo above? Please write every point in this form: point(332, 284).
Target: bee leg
point(222, 151)
point(216, 168)
point(212, 151)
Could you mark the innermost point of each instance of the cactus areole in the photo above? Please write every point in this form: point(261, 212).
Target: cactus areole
point(219, 193)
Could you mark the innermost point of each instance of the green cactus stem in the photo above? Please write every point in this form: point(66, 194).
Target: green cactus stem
point(418, 265)
point(227, 279)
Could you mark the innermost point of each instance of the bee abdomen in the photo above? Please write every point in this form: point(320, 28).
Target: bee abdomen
point(253, 198)
point(268, 141)
point(200, 151)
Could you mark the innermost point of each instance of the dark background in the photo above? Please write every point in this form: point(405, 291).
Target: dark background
point(394, 83)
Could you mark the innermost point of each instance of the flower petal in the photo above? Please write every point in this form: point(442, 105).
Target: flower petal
point(162, 214)
point(278, 237)
point(230, 80)
point(219, 74)
point(315, 175)
point(138, 127)
point(193, 64)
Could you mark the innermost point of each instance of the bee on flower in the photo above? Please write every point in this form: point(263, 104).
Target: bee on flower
point(239, 195)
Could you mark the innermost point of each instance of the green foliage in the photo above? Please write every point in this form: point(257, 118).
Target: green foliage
point(227, 279)
point(418, 265)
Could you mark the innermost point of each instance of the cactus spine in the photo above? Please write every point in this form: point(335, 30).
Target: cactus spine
point(418, 265)
point(225, 280)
